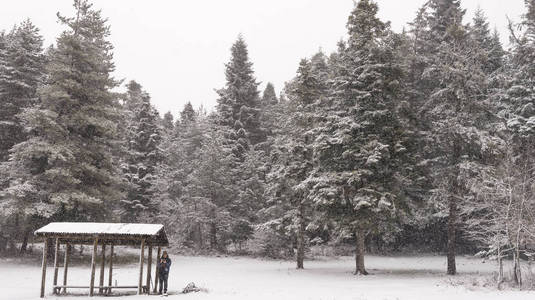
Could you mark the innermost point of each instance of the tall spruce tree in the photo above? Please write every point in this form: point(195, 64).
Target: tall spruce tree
point(212, 189)
point(65, 168)
point(21, 73)
point(292, 153)
point(454, 115)
point(143, 156)
point(182, 151)
point(359, 148)
point(239, 122)
point(491, 52)
point(167, 122)
point(239, 103)
point(269, 97)
point(187, 115)
point(517, 100)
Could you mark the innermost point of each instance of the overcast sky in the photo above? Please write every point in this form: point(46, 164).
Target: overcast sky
point(177, 49)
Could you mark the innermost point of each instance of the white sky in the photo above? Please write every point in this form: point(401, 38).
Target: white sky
point(177, 49)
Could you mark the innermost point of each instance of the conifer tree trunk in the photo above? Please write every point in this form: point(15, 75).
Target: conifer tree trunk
point(300, 236)
point(199, 236)
point(13, 237)
point(11, 244)
point(452, 206)
point(24, 245)
point(500, 266)
point(360, 250)
point(213, 239)
point(517, 276)
point(451, 236)
point(198, 231)
point(3, 243)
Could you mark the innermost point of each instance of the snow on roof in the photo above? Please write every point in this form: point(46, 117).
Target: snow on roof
point(89, 228)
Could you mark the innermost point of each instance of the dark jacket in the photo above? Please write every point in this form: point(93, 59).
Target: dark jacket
point(164, 264)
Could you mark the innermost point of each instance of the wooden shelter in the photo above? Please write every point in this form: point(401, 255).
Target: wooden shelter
point(102, 234)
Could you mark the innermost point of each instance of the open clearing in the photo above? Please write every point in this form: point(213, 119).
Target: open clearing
point(393, 278)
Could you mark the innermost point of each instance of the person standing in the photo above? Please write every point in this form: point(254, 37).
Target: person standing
point(164, 264)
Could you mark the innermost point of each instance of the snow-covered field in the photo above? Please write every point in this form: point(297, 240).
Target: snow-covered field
point(394, 278)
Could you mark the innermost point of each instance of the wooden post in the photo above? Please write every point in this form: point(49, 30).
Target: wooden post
point(141, 255)
point(102, 265)
point(56, 267)
point(66, 266)
point(149, 265)
point(110, 273)
point(43, 270)
point(93, 262)
point(156, 273)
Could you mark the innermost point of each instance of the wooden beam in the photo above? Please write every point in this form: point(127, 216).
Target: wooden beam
point(105, 287)
point(117, 239)
point(56, 266)
point(141, 256)
point(93, 262)
point(102, 265)
point(149, 265)
point(43, 269)
point(110, 272)
point(156, 273)
point(66, 266)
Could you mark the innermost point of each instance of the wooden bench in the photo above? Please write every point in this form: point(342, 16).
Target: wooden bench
point(106, 289)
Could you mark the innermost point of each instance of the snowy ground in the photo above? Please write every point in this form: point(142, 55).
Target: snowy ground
point(394, 278)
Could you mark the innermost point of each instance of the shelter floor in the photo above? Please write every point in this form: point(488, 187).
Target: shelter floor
point(403, 278)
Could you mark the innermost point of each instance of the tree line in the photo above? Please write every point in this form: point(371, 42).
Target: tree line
point(421, 140)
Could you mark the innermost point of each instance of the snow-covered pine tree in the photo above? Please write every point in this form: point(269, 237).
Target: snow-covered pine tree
point(491, 52)
point(167, 122)
point(186, 198)
point(412, 221)
point(187, 117)
point(144, 156)
point(212, 189)
point(518, 99)
point(181, 148)
point(239, 121)
point(292, 154)
point(188, 114)
point(268, 96)
point(270, 110)
point(418, 43)
point(250, 197)
point(239, 100)
point(455, 117)
point(21, 73)
point(65, 170)
point(359, 148)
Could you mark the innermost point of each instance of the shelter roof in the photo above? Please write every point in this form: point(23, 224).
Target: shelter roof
point(118, 233)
